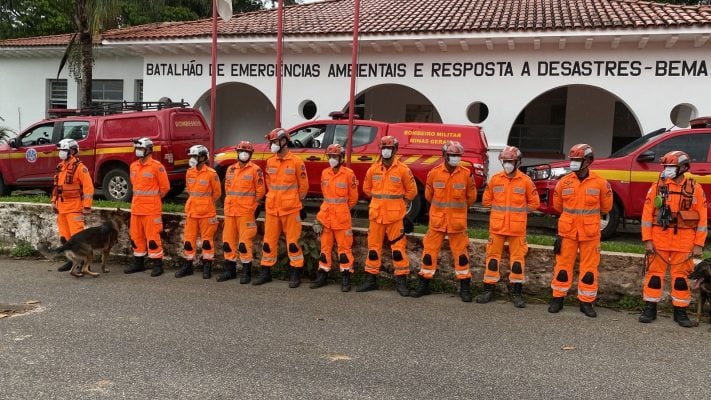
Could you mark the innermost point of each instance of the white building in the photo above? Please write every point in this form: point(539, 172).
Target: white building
point(539, 74)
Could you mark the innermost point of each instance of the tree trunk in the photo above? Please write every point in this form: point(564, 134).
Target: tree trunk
point(86, 46)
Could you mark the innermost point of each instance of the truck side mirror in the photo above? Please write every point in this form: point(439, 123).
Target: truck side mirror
point(13, 143)
point(646, 156)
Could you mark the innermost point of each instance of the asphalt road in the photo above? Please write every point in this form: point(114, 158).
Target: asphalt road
point(137, 337)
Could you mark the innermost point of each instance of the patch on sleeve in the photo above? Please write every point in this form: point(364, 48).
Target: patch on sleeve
point(86, 170)
point(161, 169)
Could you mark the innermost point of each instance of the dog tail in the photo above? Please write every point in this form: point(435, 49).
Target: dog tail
point(50, 253)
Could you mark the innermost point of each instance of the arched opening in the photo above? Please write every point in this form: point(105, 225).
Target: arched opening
point(394, 103)
point(561, 117)
point(243, 113)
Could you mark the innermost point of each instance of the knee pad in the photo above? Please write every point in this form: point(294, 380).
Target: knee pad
point(226, 247)
point(266, 248)
point(187, 246)
point(493, 265)
point(588, 278)
point(206, 245)
point(293, 248)
point(680, 284)
point(463, 260)
point(322, 258)
point(243, 248)
point(516, 268)
point(397, 256)
point(562, 276)
point(342, 258)
point(133, 244)
point(152, 245)
point(655, 282)
point(372, 255)
point(427, 260)
point(63, 240)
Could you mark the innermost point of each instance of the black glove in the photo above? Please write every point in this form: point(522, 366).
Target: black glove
point(407, 225)
point(303, 214)
point(557, 244)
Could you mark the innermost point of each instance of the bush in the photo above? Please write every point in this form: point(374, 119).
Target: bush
point(23, 249)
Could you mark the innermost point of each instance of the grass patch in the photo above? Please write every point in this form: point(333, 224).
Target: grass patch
point(23, 249)
point(43, 199)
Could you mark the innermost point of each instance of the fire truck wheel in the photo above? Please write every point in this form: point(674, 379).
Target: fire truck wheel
point(4, 190)
point(413, 212)
point(117, 186)
point(609, 222)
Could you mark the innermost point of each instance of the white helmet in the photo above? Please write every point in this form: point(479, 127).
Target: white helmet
point(68, 144)
point(144, 143)
point(198, 150)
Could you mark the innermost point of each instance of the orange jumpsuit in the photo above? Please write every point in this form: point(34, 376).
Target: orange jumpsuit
point(450, 195)
point(672, 246)
point(150, 184)
point(287, 185)
point(580, 204)
point(244, 189)
point(203, 187)
point(388, 187)
point(340, 194)
point(510, 200)
point(73, 191)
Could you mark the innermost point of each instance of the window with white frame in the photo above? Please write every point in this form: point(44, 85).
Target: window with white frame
point(56, 93)
point(107, 90)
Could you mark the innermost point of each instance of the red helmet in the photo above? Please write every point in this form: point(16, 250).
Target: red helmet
point(677, 158)
point(388, 141)
point(581, 151)
point(453, 148)
point(245, 146)
point(510, 153)
point(335, 150)
point(277, 134)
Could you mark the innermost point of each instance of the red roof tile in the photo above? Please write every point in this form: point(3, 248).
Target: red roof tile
point(54, 40)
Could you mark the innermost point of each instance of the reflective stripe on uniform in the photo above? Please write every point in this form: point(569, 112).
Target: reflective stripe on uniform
point(591, 293)
point(559, 288)
point(682, 301)
point(269, 259)
point(296, 258)
point(495, 207)
point(581, 211)
point(498, 189)
point(592, 191)
point(438, 185)
point(341, 185)
point(519, 190)
point(387, 196)
point(458, 186)
point(646, 224)
point(653, 299)
point(701, 229)
point(283, 187)
point(199, 194)
point(516, 280)
point(336, 201)
point(247, 194)
point(427, 271)
point(568, 191)
point(450, 204)
point(462, 272)
point(146, 193)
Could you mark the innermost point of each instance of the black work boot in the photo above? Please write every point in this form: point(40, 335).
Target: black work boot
point(587, 309)
point(423, 287)
point(649, 313)
point(321, 280)
point(246, 273)
point(516, 291)
point(369, 284)
point(681, 318)
point(556, 305)
point(185, 269)
point(206, 269)
point(346, 281)
point(228, 272)
point(401, 281)
point(295, 277)
point(487, 295)
point(265, 275)
point(138, 265)
point(66, 267)
point(465, 290)
point(157, 267)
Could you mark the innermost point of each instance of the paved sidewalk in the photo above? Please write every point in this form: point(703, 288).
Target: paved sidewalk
point(137, 337)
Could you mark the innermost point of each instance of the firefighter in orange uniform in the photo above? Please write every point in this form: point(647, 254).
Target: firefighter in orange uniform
point(510, 194)
point(72, 194)
point(580, 197)
point(244, 189)
point(390, 185)
point(673, 232)
point(203, 187)
point(150, 184)
point(287, 185)
point(451, 191)
point(339, 187)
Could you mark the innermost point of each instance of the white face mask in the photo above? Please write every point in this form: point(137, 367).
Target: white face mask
point(63, 154)
point(386, 153)
point(333, 162)
point(193, 162)
point(140, 152)
point(575, 165)
point(669, 172)
point(275, 148)
point(454, 160)
point(509, 167)
point(243, 156)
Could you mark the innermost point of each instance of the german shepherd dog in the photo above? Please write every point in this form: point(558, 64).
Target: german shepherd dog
point(81, 247)
point(701, 286)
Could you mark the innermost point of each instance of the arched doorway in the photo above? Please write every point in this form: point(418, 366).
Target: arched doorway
point(559, 118)
point(392, 102)
point(243, 113)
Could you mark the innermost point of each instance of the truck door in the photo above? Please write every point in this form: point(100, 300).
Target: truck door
point(308, 143)
point(79, 131)
point(364, 153)
point(34, 157)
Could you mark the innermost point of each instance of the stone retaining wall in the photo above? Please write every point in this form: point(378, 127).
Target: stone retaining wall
point(620, 273)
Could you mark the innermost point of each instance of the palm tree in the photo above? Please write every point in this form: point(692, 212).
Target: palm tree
point(5, 132)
